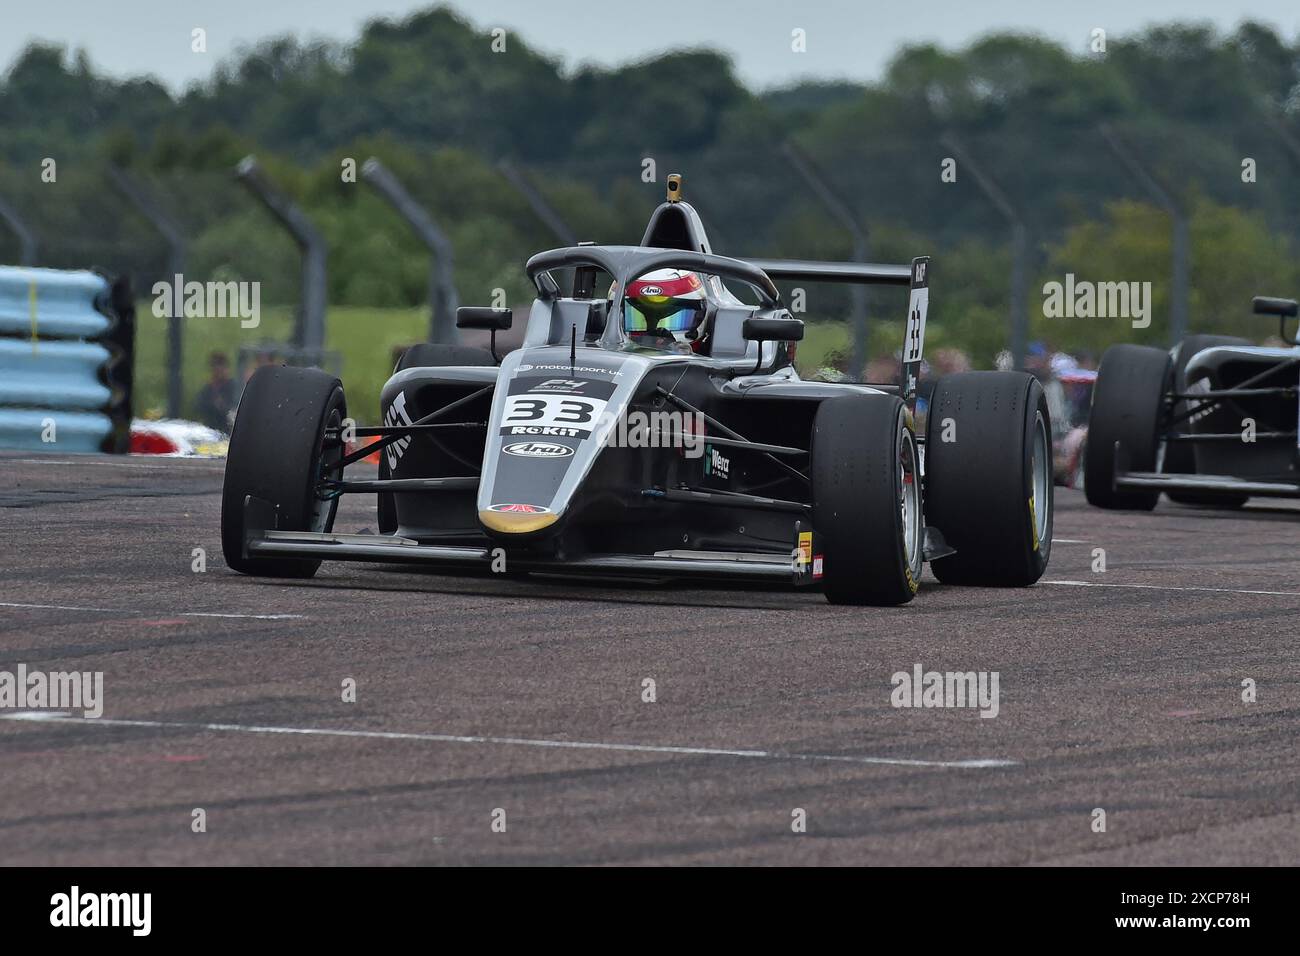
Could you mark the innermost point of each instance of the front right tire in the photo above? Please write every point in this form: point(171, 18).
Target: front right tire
point(277, 452)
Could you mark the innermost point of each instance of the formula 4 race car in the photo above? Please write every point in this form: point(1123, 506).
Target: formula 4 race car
point(656, 432)
point(1210, 422)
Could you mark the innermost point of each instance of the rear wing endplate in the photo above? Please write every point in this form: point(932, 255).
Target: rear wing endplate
point(915, 276)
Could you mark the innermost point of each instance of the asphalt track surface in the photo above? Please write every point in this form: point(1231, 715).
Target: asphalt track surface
point(223, 692)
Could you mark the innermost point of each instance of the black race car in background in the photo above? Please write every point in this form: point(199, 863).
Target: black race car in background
point(604, 449)
point(1211, 422)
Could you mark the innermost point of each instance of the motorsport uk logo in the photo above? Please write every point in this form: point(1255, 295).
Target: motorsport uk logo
point(77, 909)
point(23, 689)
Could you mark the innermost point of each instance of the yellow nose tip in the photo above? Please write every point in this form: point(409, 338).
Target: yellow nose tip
point(516, 523)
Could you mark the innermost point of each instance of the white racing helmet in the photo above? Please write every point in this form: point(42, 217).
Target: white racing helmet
point(665, 303)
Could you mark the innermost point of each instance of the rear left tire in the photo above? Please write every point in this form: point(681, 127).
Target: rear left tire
point(988, 478)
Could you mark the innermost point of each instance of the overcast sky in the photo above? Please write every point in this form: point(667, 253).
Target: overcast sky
point(846, 39)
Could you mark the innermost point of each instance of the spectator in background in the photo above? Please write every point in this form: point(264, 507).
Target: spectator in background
point(218, 397)
point(884, 371)
point(949, 361)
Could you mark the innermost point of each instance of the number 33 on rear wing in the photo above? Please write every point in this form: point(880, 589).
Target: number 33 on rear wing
point(918, 303)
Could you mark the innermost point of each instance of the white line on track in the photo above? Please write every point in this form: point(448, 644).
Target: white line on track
point(1068, 541)
point(57, 717)
point(157, 463)
point(1168, 587)
point(134, 611)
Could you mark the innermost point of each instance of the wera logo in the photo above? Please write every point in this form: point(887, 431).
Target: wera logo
point(73, 909)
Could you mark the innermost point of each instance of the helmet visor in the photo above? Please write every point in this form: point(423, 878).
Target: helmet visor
point(674, 315)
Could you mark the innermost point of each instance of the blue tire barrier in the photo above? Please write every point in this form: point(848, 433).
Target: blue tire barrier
point(49, 303)
point(31, 374)
point(26, 429)
point(67, 344)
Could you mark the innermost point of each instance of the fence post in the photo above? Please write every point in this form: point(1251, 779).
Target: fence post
point(838, 208)
point(309, 331)
point(1181, 269)
point(26, 238)
point(172, 232)
point(443, 299)
point(1019, 318)
point(541, 208)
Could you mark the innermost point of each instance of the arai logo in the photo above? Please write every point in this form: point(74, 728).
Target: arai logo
point(538, 449)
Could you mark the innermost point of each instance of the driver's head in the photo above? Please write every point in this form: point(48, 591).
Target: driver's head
point(666, 302)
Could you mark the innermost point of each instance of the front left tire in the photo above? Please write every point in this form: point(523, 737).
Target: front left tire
point(866, 500)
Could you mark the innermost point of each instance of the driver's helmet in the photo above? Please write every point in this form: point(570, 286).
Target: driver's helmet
point(665, 302)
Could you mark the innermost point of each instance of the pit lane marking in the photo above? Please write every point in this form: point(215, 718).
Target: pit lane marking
point(1169, 587)
point(127, 610)
point(61, 718)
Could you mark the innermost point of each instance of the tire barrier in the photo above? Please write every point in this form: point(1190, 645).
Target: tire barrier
point(67, 342)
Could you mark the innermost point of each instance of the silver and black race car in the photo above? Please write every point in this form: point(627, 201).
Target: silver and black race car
point(1210, 422)
point(655, 431)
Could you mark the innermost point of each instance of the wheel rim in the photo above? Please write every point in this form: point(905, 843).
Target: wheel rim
point(323, 508)
point(909, 501)
point(1040, 475)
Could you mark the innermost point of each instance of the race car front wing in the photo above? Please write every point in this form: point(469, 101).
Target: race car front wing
point(1125, 480)
point(801, 566)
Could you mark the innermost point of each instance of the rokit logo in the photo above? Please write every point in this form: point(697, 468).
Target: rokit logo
point(537, 449)
point(397, 415)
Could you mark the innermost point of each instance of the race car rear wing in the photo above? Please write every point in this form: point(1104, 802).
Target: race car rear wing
point(915, 276)
point(862, 273)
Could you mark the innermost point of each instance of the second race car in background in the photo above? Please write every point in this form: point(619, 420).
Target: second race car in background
point(1212, 422)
